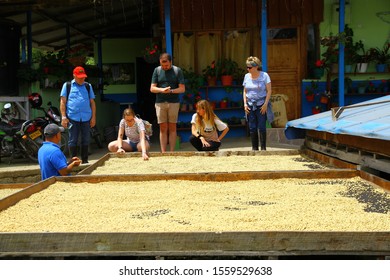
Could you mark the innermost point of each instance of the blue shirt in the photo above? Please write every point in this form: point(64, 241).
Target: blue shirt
point(51, 159)
point(256, 89)
point(78, 105)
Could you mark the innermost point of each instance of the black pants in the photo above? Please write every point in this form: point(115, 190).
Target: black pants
point(197, 143)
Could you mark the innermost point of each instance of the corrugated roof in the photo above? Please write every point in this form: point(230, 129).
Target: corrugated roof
point(370, 121)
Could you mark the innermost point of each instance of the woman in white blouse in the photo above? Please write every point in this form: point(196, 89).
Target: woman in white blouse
point(205, 126)
point(134, 130)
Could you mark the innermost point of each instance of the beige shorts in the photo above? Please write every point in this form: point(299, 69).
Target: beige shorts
point(167, 112)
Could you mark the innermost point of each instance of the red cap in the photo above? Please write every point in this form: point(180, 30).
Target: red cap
point(79, 72)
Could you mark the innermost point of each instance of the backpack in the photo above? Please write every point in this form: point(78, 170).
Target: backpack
point(87, 86)
point(148, 127)
point(175, 69)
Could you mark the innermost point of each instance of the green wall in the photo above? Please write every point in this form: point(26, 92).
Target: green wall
point(361, 16)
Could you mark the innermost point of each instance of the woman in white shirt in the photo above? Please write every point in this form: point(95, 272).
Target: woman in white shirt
point(205, 126)
point(134, 129)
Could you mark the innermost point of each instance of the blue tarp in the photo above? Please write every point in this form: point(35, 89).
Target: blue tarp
point(371, 121)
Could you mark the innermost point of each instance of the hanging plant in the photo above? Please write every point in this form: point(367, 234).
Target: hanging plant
point(151, 53)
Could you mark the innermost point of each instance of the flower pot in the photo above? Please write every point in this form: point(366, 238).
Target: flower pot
point(318, 73)
point(227, 80)
point(362, 67)
point(348, 68)
point(324, 100)
point(223, 104)
point(211, 81)
point(213, 104)
point(190, 107)
point(315, 110)
point(380, 68)
point(310, 98)
point(361, 90)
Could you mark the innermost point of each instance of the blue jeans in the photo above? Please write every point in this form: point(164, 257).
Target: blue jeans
point(256, 120)
point(77, 129)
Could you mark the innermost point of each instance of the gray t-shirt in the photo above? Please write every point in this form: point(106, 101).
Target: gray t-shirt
point(167, 78)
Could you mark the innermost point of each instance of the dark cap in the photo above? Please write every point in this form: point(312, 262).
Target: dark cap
point(52, 129)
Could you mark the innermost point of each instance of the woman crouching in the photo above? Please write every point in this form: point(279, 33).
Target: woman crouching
point(134, 129)
point(205, 126)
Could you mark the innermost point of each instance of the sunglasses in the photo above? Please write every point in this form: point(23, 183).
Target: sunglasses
point(249, 67)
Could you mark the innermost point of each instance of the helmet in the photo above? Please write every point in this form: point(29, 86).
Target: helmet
point(35, 100)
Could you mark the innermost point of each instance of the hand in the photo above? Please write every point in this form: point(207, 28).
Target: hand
point(145, 156)
point(263, 109)
point(246, 109)
point(64, 123)
point(75, 161)
point(120, 151)
point(204, 142)
point(166, 90)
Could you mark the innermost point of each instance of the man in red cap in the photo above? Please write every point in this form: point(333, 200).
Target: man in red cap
point(78, 110)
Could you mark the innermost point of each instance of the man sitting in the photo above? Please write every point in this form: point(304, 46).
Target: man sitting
point(52, 160)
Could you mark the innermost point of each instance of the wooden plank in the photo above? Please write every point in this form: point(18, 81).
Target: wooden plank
point(197, 15)
point(219, 15)
point(25, 193)
point(230, 15)
point(99, 162)
point(207, 14)
point(215, 176)
point(15, 185)
point(318, 11)
point(196, 243)
point(381, 182)
point(253, 13)
point(328, 160)
point(377, 146)
point(241, 13)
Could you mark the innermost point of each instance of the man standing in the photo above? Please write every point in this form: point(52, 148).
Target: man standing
point(78, 110)
point(167, 84)
point(52, 161)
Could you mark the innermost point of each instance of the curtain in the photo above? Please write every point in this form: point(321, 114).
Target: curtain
point(184, 50)
point(209, 45)
point(237, 46)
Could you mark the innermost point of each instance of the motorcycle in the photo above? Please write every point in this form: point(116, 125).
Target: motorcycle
point(51, 115)
point(16, 138)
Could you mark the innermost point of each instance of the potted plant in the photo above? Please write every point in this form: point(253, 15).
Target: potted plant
point(224, 102)
point(363, 57)
point(151, 53)
point(227, 67)
point(381, 57)
point(319, 68)
point(210, 74)
point(362, 86)
point(311, 91)
point(238, 75)
point(383, 86)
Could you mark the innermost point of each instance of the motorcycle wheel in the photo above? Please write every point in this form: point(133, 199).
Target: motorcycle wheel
point(31, 148)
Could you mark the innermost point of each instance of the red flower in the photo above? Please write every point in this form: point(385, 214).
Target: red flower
point(320, 63)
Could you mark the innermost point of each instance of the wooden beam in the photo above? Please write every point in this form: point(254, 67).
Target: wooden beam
point(195, 243)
